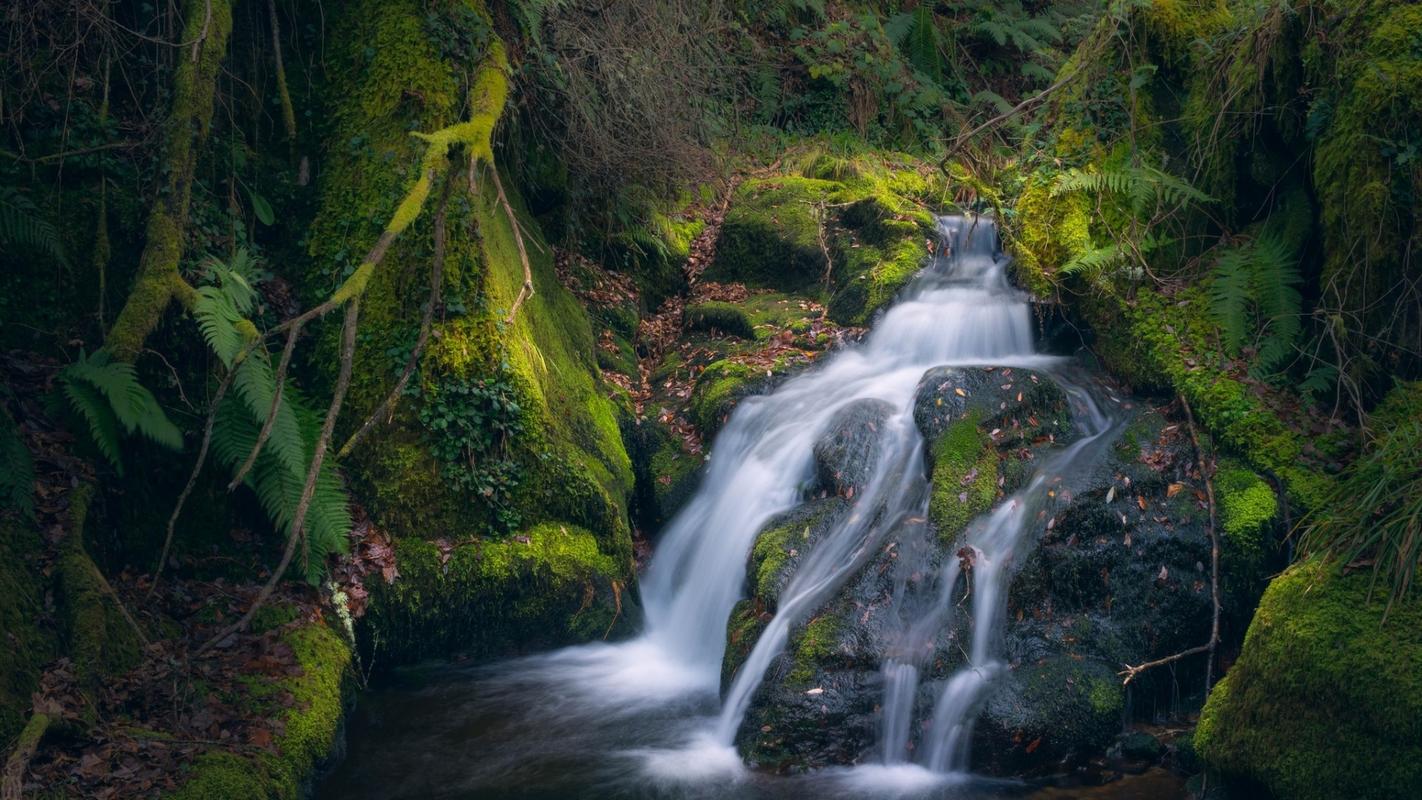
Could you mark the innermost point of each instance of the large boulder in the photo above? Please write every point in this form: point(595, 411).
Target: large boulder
point(1325, 700)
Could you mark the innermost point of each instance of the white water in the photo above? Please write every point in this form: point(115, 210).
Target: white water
point(960, 311)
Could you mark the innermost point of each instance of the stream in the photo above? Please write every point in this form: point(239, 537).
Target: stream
point(647, 718)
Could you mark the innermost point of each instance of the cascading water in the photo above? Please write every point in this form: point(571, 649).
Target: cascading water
point(960, 311)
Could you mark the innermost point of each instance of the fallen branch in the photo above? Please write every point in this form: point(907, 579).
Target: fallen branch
point(1129, 673)
point(525, 291)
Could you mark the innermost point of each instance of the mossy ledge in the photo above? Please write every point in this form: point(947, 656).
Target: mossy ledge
point(310, 731)
point(550, 585)
point(1326, 698)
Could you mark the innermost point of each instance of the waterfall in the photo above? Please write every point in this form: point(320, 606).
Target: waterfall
point(960, 310)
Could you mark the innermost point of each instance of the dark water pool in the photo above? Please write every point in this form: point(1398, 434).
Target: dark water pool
point(454, 733)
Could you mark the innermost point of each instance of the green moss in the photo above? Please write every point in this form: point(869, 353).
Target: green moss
point(719, 317)
point(98, 639)
point(1325, 700)
point(389, 76)
point(1159, 341)
point(964, 477)
point(717, 389)
point(1247, 507)
point(308, 733)
point(811, 647)
point(30, 644)
point(771, 236)
point(769, 556)
point(1046, 233)
point(552, 584)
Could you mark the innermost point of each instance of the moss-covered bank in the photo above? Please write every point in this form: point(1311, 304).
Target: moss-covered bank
point(1325, 700)
point(509, 426)
point(310, 726)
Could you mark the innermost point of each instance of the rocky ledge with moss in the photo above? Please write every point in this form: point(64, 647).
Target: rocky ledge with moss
point(1118, 575)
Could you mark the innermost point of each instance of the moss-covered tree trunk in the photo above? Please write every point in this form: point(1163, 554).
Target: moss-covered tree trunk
point(207, 25)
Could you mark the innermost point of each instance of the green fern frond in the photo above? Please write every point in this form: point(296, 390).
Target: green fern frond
point(1258, 279)
point(135, 407)
point(1094, 263)
point(103, 425)
point(278, 483)
point(23, 225)
point(1140, 184)
point(1230, 296)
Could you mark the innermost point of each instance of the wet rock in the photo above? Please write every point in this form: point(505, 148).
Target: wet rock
point(847, 452)
point(1022, 405)
point(1046, 712)
point(1141, 746)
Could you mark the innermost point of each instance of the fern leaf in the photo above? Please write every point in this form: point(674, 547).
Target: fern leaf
point(22, 224)
point(1094, 262)
point(135, 407)
point(103, 425)
point(1230, 296)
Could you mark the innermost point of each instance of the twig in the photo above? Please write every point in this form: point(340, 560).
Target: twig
point(1129, 673)
point(387, 406)
point(192, 479)
point(525, 291)
point(318, 456)
point(963, 138)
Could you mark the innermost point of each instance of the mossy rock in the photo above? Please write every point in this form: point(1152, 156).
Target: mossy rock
point(771, 236)
point(715, 316)
point(1325, 700)
point(784, 542)
point(1047, 712)
point(719, 387)
point(667, 475)
point(965, 474)
point(389, 76)
point(309, 735)
point(1022, 405)
point(550, 585)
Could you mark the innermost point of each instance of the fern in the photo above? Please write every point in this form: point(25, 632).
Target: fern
point(1254, 296)
point(277, 481)
point(1094, 262)
point(22, 225)
point(110, 398)
point(222, 309)
point(17, 469)
point(279, 473)
point(1139, 184)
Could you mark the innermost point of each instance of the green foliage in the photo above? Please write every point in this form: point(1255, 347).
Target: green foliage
point(22, 225)
point(1258, 281)
point(1139, 185)
point(1373, 515)
point(279, 473)
point(110, 398)
point(223, 308)
point(470, 422)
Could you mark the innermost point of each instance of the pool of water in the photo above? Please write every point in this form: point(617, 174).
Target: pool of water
point(501, 732)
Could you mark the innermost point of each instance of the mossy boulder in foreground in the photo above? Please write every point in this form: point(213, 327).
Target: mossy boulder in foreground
point(1325, 700)
point(547, 586)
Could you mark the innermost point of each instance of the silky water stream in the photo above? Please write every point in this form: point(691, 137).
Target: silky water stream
point(647, 718)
